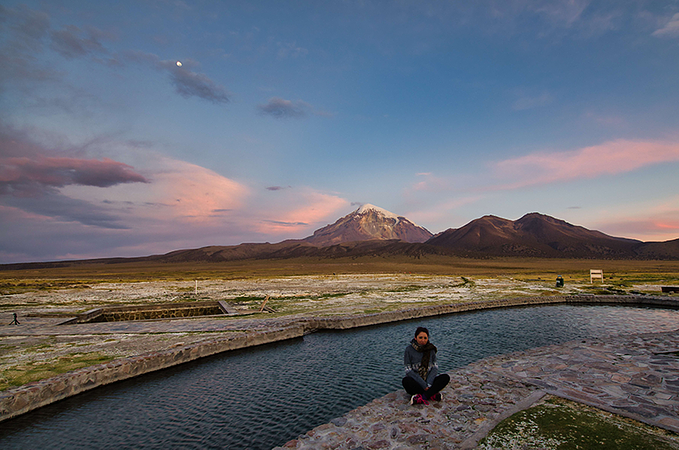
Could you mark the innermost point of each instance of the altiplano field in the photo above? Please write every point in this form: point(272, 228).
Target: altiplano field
point(40, 348)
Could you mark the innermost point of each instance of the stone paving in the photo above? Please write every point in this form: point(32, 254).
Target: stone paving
point(635, 376)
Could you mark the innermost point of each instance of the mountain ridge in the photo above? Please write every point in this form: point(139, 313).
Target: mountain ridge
point(537, 235)
point(533, 235)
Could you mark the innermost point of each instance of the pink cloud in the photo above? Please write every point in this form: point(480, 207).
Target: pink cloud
point(441, 212)
point(30, 176)
point(305, 210)
point(431, 183)
point(609, 158)
point(646, 229)
point(74, 207)
point(178, 191)
point(646, 221)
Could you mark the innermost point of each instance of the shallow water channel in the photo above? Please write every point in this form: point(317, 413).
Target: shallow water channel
point(262, 397)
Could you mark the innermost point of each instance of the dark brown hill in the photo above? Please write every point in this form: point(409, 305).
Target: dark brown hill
point(539, 235)
point(298, 249)
point(659, 250)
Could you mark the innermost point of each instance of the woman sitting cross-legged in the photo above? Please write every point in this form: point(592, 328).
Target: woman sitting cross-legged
point(422, 381)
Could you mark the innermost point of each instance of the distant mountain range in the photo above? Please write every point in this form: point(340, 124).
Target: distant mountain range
point(533, 235)
point(373, 231)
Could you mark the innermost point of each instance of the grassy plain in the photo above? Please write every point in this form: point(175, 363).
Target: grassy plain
point(297, 287)
point(83, 274)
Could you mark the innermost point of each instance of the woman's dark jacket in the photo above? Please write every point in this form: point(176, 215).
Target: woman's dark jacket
point(412, 360)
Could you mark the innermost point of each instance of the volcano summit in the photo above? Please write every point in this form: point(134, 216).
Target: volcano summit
point(367, 223)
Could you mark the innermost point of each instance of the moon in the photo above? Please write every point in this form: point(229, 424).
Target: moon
point(179, 63)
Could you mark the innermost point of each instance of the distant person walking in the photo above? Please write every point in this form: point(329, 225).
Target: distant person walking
point(15, 321)
point(422, 380)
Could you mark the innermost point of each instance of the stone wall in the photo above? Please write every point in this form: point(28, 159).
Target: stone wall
point(147, 312)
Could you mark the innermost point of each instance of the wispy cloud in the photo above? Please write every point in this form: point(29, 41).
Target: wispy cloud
point(428, 182)
point(40, 170)
point(187, 83)
point(565, 13)
point(62, 208)
point(302, 210)
point(33, 176)
point(25, 31)
point(525, 102)
point(649, 221)
point(604, 119)
point(284, 109)
point(670, 29)
point(441, 212)
point(30, 33)
point(290, 50)
point(72, 42)
point(29, 27)
point(609, 158)
point(647, 229)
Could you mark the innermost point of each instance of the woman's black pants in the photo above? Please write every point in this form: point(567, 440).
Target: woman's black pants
point(412, 387)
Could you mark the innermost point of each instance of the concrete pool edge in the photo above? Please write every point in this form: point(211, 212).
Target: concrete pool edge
point(22, 399)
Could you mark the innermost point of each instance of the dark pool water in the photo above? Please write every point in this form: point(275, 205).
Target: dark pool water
point(262, 397)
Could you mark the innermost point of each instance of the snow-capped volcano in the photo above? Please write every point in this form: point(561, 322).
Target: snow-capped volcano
point(366, 223)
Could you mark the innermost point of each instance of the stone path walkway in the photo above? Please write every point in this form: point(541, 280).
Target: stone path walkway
point(634, 376)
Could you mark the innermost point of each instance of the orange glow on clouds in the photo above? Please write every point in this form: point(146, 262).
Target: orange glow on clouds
point(195, 193)
point(184, 198)
point(308, 209)
point(177, 190)
point(606, 159)
point(647, 221)
point(667, 225)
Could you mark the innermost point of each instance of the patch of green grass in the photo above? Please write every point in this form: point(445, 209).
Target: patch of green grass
point(335, 295)
point(12, 305)
point(561, 424)
point(410, 288)
point(17, 286)
point(259, 299)
point(48, 342)
point(21, 374)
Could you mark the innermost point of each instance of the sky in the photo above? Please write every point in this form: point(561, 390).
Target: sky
point(132, 128)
